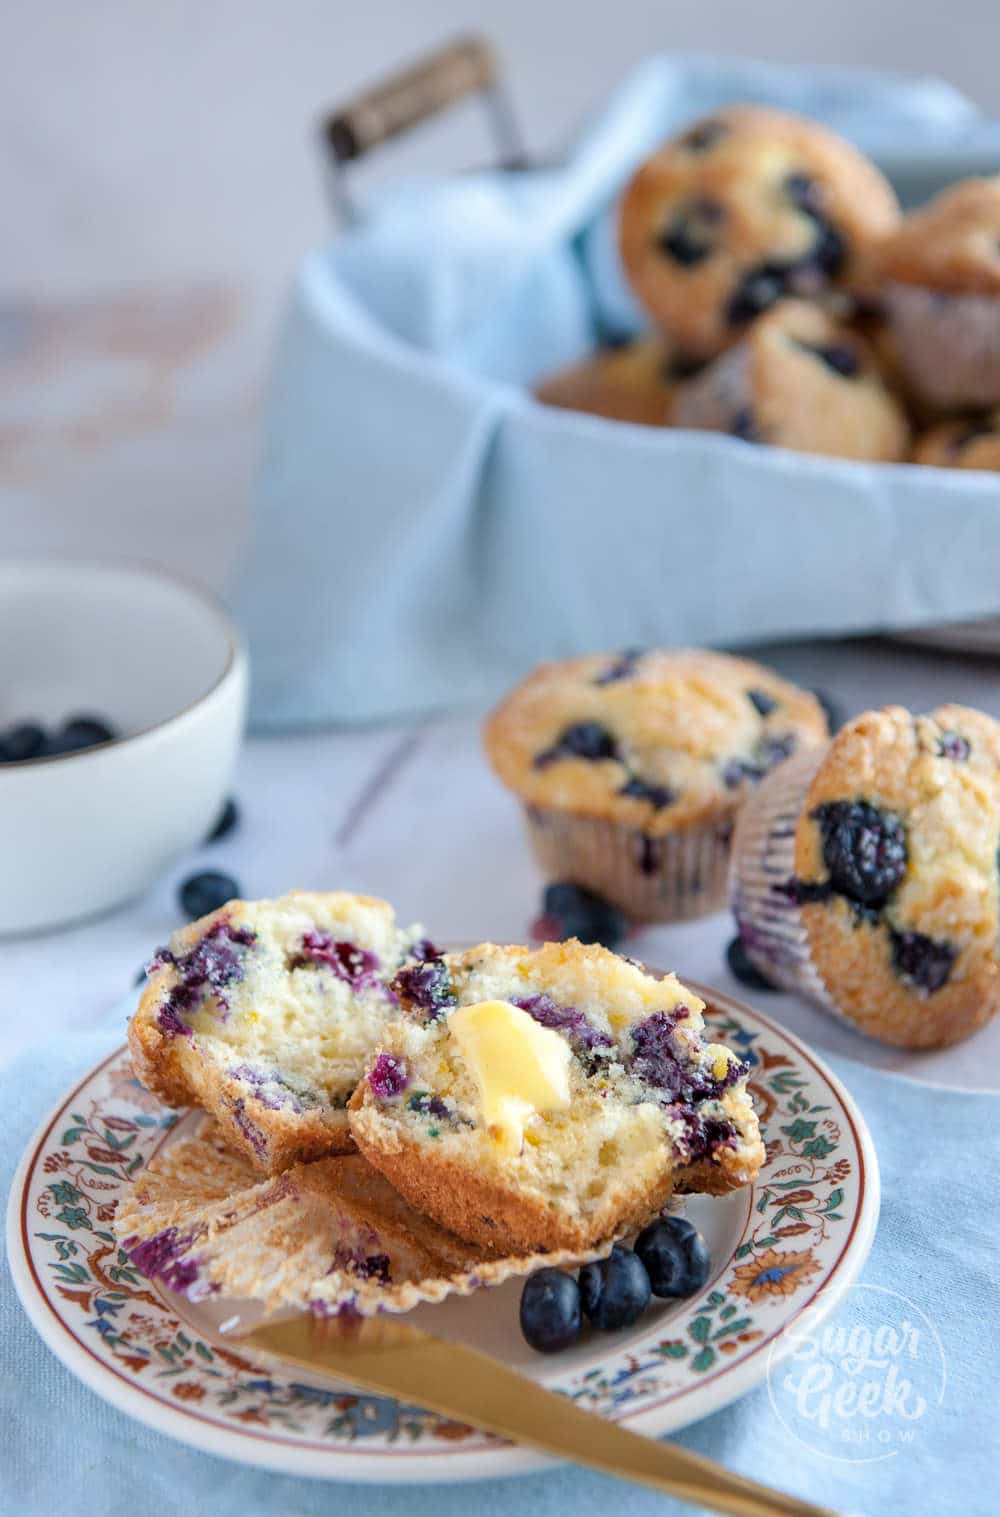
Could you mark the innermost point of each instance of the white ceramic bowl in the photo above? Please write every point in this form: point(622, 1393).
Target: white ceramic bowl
point(158, 658)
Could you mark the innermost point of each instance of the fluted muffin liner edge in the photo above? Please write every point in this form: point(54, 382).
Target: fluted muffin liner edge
point(768, 917)
point(671, 877)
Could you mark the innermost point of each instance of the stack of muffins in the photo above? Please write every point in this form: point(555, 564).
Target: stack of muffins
point(794, 305)
point(862, 871)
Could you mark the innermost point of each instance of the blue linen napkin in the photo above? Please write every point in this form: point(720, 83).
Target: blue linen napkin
point(424, 531)
point(938, 1244)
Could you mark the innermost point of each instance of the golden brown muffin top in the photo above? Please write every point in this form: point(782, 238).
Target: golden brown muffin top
point(896, 859)
point(633, 382)
point(952, 243)
point(660, 740)
point(970, 442)
point(744, 206)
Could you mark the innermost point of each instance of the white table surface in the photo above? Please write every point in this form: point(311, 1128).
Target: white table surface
point(412, 812)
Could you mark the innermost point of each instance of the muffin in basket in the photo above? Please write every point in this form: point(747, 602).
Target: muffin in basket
point(550, 1098)
point(264, 1013)
point(970, 442)
point(744, 207)
point(942, 293)
point(632, 381)
point(865, 875)
point(799, 380)
point(631, 767)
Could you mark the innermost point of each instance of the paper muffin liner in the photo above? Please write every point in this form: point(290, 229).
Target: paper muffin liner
point(667, 878)
point(948, 344)
point(330, 1237)
point(763, 864)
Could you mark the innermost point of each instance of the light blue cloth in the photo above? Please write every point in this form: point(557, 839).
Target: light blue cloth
point(64, 1450)
point(424, 531)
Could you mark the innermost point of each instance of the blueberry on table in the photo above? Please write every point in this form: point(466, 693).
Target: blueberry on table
point(228, 818)
point(205, 892)
point(571, 911)
point(550, 1310)
point(741, 968)
point(25, 741)
point(78, 733)
point(675, 1255)
point(614, 1292)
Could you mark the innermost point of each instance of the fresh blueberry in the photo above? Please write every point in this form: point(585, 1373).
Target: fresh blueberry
point(614, 1292)
point(864, 849)
point(584, 740)
point(205, 892)
point(923, 962)
point(741, 968)
point(228, 818)
point(25, 741)
point(550, 1310)
point(690, 236)
point(426, 985)
point(78, 733)
point(675, 1256)
point(762, 703)
point(575, 912)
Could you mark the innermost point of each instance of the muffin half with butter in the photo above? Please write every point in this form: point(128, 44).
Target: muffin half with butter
point(536, 1100)
point(631, 768)
point(865, 876)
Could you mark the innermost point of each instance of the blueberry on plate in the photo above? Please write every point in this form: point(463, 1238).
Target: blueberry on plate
point(615, 1291)
point(227, 819)
point(205, 892)
point(25, 741)
point(550, 1310)
point(571, 911)
point(743, 970)
point(675, 1255)
point(78, 733)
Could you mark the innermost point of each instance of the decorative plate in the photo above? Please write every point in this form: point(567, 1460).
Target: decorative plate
point(799, 1236)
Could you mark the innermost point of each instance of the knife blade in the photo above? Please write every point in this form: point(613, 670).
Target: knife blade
point(396, 1359)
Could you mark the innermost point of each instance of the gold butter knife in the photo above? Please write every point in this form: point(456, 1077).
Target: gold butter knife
point(394, 1359)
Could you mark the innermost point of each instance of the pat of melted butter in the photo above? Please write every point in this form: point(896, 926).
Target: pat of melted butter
point(519, 1067)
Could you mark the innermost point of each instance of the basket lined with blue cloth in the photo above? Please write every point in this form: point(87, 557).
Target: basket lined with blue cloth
point(425, 531)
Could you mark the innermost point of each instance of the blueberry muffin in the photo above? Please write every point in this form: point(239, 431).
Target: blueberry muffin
point(942, 291)
point(534, 1100)
point(631, 768)
point(323, 1236)
point(263, 1014)
point(866, 876)
point(746, 206)
point(633, 381)
point(799, 380)
point(971, 442)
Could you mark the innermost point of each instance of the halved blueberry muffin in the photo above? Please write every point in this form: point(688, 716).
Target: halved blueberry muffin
point(742, 208)
point(550, 1098)
point(866, 876)
point(264, 1013)
point(325, 1236)
point(799, 380)
point(631, 767)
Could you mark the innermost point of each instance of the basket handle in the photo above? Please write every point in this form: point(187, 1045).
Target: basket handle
point(465, 66)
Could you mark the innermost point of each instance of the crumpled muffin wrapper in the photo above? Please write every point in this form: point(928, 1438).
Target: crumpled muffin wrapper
point(329, 1236)
point(672, 877)
point(948, 344)
point(768, 918)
